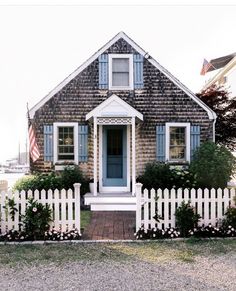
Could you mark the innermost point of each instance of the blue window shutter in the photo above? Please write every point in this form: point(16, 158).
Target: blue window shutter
point(138, 71)
point(160, 143)
point(83, 143)
point(194, 139)
point(48, 143)
point(103, 71)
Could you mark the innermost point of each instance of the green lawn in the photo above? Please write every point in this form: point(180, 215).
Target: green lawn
point(158, 251)
point(85, 218)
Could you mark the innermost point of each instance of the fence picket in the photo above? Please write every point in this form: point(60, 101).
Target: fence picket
point(70, 201)
point(145, 206)
point(210, 205)
point(166, 208)
point(16, 216)
point(153, 197)
point(65, 206)
point(3, 212)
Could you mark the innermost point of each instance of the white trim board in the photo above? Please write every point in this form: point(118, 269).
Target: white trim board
point(211, 114)
point(129, 111)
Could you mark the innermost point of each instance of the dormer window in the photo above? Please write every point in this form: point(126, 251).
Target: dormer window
point(120, 72)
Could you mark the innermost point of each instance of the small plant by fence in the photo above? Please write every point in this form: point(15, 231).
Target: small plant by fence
point(65, 205)
point(211, 205)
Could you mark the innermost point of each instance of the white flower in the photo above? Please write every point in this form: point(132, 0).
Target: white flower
point(232, 229)
point(154, 235)
point(61, 238)
point(21, 237)
point(34, 209)
point(191, 232)
point(171, 235)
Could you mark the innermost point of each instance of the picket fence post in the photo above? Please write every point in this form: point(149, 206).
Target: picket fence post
point(138, 205)
point(77, 205)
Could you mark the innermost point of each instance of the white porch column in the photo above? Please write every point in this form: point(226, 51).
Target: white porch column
point(95, 155)
point(133, 157)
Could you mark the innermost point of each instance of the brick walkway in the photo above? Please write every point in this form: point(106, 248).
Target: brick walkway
point(110, 225)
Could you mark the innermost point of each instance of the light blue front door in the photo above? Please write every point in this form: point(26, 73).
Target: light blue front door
point(114, 156)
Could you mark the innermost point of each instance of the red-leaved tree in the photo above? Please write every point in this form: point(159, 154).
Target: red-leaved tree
point(218, 99)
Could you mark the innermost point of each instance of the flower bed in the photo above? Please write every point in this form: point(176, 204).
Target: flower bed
point(53, 235)
point(172, 233)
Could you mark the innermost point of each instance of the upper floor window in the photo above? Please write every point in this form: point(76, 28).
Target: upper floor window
point(120, 71)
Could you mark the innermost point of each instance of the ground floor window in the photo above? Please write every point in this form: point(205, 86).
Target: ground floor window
point(65, 142)
point(178, 142)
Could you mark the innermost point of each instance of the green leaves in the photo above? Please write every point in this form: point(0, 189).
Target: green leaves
point(186, 218)
point(36, 219)
point(212, 165)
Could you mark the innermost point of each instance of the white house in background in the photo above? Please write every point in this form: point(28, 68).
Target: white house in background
point(222, 72)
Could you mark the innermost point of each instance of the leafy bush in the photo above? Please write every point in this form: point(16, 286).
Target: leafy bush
point(186, 219)
point(212, 166)
point(36, 219)
point(160, 175)
point(59, 180)
point(230, 216)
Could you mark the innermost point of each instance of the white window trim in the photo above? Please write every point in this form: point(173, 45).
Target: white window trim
point(55, 140)
point(131, 71)
point(178, 124)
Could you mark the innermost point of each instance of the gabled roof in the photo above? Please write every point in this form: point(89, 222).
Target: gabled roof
point(220, 73)
point(114, 107)
point(211, 114)
point(220, 62)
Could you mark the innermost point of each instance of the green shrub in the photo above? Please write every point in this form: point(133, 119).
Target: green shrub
point(36, 219)
point(71, 175)
point(58, 180)
point(186, 218)
point(212, 166)
point(156, 175)
point(160, 175)
point(230, 216)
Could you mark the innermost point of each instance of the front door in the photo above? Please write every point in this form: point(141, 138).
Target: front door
point(114, 156)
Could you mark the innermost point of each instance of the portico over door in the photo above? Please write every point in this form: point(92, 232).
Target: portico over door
point(116, 120)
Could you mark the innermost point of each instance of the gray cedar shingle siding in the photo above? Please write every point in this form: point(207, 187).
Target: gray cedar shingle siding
point(159, 101)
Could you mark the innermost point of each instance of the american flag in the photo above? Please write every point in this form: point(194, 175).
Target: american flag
point(33, 147)
point(205, 67)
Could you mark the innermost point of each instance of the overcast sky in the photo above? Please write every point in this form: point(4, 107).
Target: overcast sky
point(41, 45)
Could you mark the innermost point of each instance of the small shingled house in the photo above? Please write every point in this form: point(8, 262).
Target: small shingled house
point(114, 114)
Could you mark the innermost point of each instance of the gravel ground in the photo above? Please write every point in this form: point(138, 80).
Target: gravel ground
point(214, 272)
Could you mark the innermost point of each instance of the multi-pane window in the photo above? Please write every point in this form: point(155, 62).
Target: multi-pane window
point(66, 143)
point(177, 143)
point(120, 72)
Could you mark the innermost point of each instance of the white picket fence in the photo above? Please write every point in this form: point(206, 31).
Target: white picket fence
point(210, 205)
point(65, 207)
